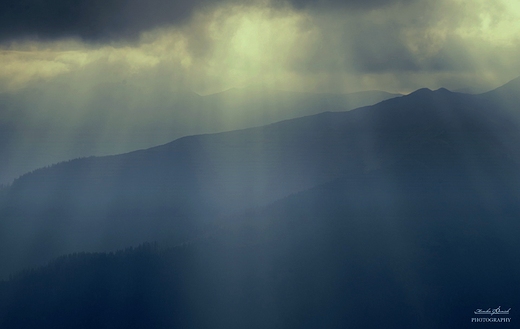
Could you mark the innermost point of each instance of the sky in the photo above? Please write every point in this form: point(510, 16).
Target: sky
point(83, 47)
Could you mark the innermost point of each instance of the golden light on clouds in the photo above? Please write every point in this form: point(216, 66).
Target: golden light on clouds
point(230, 45)
point(492, 22)
point(255, 46)
point(241, 45)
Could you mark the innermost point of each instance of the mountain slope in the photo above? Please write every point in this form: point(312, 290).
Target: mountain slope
point(390, 248)
point(40, 129)
point(181, 190)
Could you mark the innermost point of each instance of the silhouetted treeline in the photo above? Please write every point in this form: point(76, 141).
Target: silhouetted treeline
point(90, 290)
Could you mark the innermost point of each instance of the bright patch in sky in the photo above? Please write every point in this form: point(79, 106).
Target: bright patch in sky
point(399, 47)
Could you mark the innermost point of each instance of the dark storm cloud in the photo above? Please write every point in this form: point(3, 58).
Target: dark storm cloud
point(92, 20)
point(107, 20)
point(351, 4)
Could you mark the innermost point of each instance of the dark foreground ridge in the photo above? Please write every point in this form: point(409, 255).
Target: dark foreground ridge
point(390, 249)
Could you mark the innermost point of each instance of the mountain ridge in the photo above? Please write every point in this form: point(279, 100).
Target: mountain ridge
point(356, 243)
point(179, 190)
point(104, 124)
point(409, 204)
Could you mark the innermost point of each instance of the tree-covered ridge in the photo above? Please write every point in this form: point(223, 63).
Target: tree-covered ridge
point(90, 290)
point(387, 249)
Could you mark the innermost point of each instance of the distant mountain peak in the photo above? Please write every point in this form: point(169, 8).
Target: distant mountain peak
point(421, 91)
point(427, 91)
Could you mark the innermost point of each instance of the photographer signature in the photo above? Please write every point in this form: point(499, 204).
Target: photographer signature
point(491, 312)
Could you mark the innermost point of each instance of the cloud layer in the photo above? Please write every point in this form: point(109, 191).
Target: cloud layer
point(316, 45)
point(112, 20)
point(91, 20)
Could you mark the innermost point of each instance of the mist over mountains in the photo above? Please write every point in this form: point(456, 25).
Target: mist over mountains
point(398, 214)
point(43, 126)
